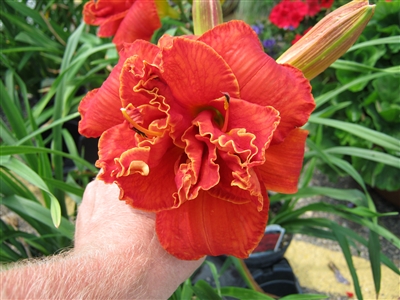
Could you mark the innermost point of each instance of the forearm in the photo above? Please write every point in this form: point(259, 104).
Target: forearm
point(112, 275)
point(74, 276)
point(117, 255)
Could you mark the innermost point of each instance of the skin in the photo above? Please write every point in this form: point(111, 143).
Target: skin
point(116, 256)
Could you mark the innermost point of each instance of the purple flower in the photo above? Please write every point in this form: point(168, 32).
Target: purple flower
point(258, 28)
point(269, 43)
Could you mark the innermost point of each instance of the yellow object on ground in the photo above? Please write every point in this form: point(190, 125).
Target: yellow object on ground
point(310, 264)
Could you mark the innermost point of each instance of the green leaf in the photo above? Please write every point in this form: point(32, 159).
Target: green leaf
point(28, 12)
point(351, 195)
point(37, 37)
point(47, 127)
point(358, 67)
point(204, 291)
point(307, 226)
point(244, 273)
point(39, 213)
point(374, 249)
point(29, 175)
point(7, 254)
point(187, 292)
point(341, 238)
point(374, 42)
point(373, 155)
point(12, 112)
point(215, 275)
point(374, 136)
point(67, 187)
point(243, 293)
point(320, 100)
point(304, 297)
point(10, 150)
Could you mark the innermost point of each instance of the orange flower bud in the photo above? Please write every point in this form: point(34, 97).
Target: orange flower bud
point(206, 15)
point(329, 39)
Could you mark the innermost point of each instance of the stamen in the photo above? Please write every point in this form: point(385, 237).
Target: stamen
point(139, 129)
point(226, 107)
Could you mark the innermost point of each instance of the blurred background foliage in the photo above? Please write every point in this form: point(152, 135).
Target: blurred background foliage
point(49, 59)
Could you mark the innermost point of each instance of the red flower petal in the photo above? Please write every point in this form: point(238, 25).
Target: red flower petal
point(100, 108)
point(211, 226)
point(192, 81)
point(136, 165)
point(112, 144)
point(282, 168)
point(261, 79)
point(110, 25)
point(199, 171)
point(156, 191)
point(139, 23)
point(107, 13)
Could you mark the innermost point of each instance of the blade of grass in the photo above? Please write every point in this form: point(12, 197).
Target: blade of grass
point(303, 225)
point(30, 176)
point(379, 41)
point(304, 297)
point(342, 240)
point(373, 136)
point(204, 291)
point(377, 156)
point(320, 100)
point(29, 209)
point(47, 127)
point(215, 275)
point(352, 195)
point(245, 274)
point(358, 67)
point(374, 249)
point(10, 150)
point(242, 293)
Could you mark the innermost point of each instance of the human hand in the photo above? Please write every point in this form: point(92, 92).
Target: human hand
point(109, 225)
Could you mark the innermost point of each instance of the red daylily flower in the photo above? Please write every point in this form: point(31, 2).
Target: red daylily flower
point(314, 7)
point(326, 3)
point(196, 129)
point(126, 20)
point(288, 14)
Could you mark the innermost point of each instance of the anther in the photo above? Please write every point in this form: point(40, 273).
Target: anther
point(226, 107)
point(137, 128)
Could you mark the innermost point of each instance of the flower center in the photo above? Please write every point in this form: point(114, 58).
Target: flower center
point(219, 118)
point(136, 127)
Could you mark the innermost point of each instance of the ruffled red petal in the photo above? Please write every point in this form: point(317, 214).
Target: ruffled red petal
point(112, 144)
point(199, 171)
point(154, 192)
point(211, 226)
point(100, 108)
point(139, 23)
point(261, 79)
point(193, 82)
point(284, 162)
point(136, 165)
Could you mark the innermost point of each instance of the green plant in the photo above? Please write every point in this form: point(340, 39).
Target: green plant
point(363, 88)
point(36, 145)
